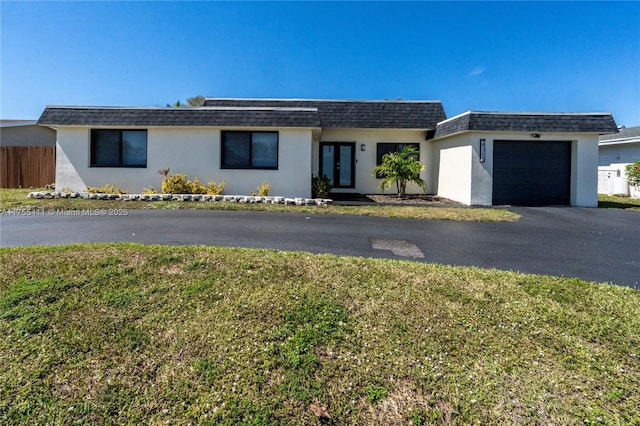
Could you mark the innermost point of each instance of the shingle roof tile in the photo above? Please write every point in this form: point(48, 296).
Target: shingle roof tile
point(354, 114)
point(86, 116)
point(625, 132)
point(528, 122)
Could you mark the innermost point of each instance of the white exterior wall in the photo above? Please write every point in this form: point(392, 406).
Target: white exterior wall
point(454, 173)
point(30, 135)
point(584, 171)
point(623, 153)
point(452, 169)
point(452, 166)
point(365, 183)
point(459, 175)
point(194, 151)
point(612, 160)
point(612, 179)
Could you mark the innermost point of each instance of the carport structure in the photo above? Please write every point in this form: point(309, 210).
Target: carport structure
point(497, 158)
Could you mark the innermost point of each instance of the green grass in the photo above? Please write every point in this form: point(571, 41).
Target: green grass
point(615, 202)
point(132, 334)
point(12, 200)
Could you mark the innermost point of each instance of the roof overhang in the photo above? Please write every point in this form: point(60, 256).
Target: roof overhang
point(527, 122)
point(262, 117)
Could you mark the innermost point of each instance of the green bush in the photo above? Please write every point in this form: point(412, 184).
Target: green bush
point(197, 187)
point(107, 189)
point(179, 184)
point(262, 190)
point(633, 173)
point(215, 188)
point(320, 186)
point(176, 184)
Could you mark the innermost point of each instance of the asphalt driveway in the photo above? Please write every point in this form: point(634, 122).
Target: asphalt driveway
point(601, 245)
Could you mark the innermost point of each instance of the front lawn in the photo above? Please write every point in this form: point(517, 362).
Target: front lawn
point(616, 202)
point(132, 334)
point(15, 200)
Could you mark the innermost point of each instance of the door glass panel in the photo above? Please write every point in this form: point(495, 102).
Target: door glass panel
point(327, 161)
point(345, 165)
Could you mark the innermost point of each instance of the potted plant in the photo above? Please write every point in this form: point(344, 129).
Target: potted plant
point(633, 177)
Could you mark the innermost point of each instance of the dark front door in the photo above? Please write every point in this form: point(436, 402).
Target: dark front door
point(337, 161)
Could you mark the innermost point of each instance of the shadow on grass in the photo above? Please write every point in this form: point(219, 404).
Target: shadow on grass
point(611, 202)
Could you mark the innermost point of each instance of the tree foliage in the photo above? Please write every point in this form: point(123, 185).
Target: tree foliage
point(400, 168)
point(633, 173)
point(196, 101)
point(193, 102)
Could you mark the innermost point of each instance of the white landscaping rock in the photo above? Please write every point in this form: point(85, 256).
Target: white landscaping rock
point(299, 201)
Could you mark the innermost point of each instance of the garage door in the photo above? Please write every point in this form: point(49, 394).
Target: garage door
point(532, 173)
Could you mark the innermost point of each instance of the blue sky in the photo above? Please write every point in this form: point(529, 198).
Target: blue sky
point(495, 56)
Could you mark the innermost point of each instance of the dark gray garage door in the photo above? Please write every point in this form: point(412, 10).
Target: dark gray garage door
point(531, 173)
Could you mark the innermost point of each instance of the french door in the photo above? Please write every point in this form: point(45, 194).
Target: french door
point(337, 161)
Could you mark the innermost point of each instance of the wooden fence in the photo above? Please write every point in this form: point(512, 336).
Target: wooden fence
point(27, 166)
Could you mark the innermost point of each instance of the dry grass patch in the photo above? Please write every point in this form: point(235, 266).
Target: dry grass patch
point(15, 201)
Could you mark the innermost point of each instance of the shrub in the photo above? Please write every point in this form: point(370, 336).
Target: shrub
point(179, 184)
point(215, 188)
point(176, 184)
point(107, 189)
point(320, 186)
point(633, 173)
point(197, 187)
point(262, 190)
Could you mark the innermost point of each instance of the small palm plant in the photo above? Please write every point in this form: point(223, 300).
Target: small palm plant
point(400, 168)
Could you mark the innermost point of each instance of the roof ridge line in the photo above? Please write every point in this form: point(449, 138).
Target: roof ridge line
point(538, 113)
point(326, 100)
point(203, 108)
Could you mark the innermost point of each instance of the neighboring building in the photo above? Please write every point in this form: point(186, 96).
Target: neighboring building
point(615, 152)
point(478, 158)
point(25, 133)
point(27, 154)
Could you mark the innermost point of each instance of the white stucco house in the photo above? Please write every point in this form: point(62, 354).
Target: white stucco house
point(476, 158)
point(615, 152)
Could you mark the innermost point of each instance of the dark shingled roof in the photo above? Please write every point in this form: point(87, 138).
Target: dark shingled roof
point(266, 117)
point(337, 114)
point(624, 133)
point(528, 122)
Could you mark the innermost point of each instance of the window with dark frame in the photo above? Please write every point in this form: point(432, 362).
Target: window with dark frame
point(118, 148)
point(383, 148)
point(249, 150)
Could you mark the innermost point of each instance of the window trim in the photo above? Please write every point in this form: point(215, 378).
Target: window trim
point(92, 159)
point(251, 133)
